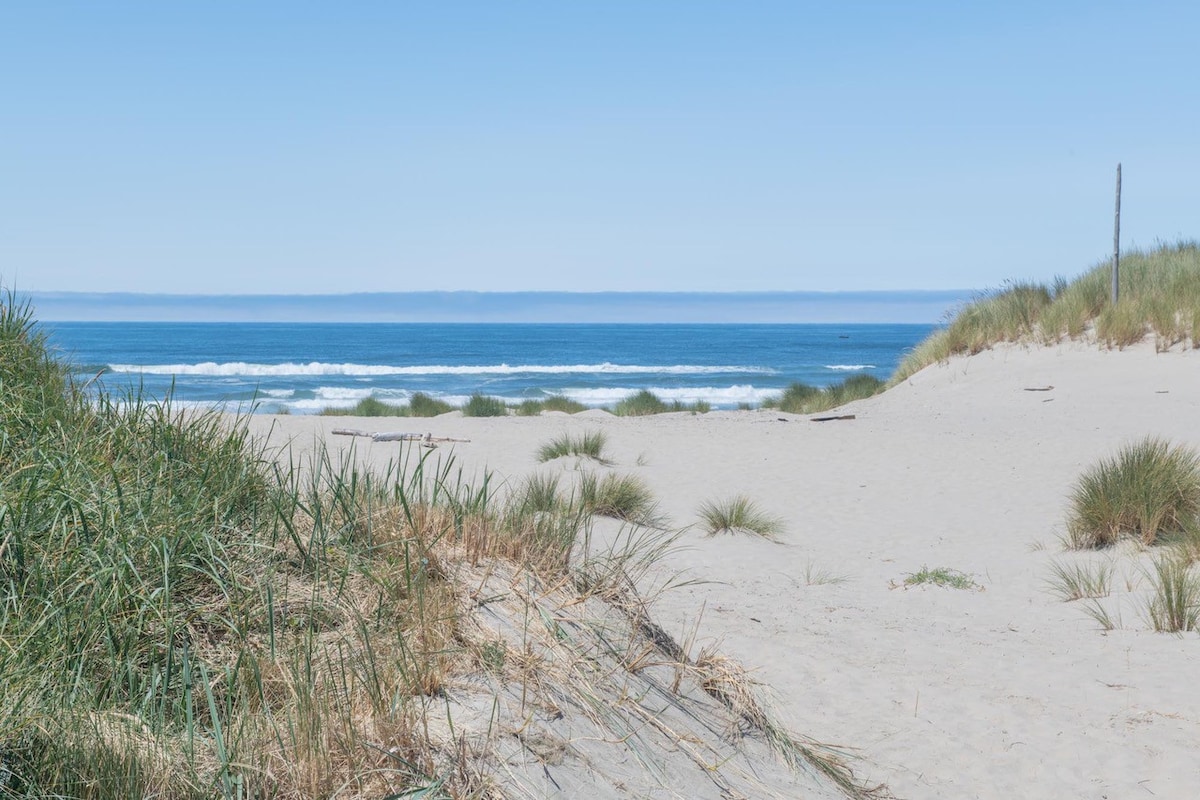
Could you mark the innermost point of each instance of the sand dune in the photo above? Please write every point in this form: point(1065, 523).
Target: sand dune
point(1001, 690)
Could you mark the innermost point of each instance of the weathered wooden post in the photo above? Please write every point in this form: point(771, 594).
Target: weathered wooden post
point(1116, 268)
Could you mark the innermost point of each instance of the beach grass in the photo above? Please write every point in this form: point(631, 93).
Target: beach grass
point(368, 407)
point(802, 398)
point(186, 615)
point(1080, 581)
point(419, 405)
point(645, 403)
point(422, 405)
point(1148, 489)
point(590, 444)
point(530, 408)
point(1159, 296)
point(481, 405)
point(623, 497)
point(1174, 606)
point(940, 576)
point(738, 514)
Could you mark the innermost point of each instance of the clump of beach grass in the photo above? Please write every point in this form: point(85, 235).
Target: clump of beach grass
point(801, 398)
point(738, 514)
point(1149, 489)
point(590, 444)
point(367, 407)
point(563, 404)
point(419, 405)
point(531, 408)
point(423, 405)
point(1174, 606)
point(940, 576)
point(641, 404)
point(622, 497)
point(481, 405)
point(1080, 581)
point(646, 402)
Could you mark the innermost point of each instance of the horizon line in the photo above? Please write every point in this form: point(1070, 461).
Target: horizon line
point(862, 305)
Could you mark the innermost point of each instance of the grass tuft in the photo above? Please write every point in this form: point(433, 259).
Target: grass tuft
point(1147, 490)
point(422, 405)
point(1080, 581)
point(1175, 604)
point(646, 402)
point(367, 407)
point(641, 404)
point(481, 405)
point(621, 497)
point(801, 398)
point(941, 576)
point(587, 445)
point(739, 514)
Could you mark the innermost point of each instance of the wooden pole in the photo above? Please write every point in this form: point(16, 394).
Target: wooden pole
point(1116, 268)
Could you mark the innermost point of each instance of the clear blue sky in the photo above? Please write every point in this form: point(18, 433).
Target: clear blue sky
point(230, 147)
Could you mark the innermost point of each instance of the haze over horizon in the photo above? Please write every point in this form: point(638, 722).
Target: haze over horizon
point(521, 307)
point(274, 148)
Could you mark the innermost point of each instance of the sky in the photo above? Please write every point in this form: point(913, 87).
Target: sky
point(300, 147)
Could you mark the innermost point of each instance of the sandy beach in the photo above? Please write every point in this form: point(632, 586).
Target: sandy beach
point(1000, 690)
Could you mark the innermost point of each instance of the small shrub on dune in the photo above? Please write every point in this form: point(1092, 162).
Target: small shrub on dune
point(587, 445)
point(422, 405)
point(1148, 489)
point(641, 404)
point(739, 514)
point(480, 405)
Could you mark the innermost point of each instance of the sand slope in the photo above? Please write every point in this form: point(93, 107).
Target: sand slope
point(1005, 691)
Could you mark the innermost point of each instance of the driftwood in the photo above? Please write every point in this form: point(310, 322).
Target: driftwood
point(830, 419)
point(426, 439)
point(1038, 388)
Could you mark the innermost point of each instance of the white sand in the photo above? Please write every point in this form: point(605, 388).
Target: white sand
point(942, 693)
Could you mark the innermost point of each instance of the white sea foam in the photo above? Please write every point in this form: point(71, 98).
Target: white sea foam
point(850, 367)
point(716, 395)
point(328, 393)
point(280, 394)
point(242, 368)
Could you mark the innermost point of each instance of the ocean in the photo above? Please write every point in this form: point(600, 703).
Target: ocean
point(302, 368)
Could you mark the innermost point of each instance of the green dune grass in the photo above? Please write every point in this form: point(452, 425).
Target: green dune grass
point(1159, 297)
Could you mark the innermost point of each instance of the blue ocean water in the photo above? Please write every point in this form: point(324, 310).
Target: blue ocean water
point(305, 367)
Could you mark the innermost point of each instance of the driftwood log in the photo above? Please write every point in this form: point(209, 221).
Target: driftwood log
point(831, 419)
point(426, 439)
